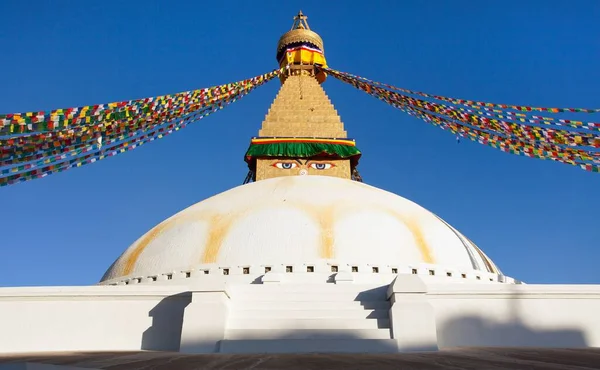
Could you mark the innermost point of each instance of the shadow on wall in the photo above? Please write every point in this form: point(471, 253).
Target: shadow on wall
point(514, 332)
point(462, 331)
point(167, 320)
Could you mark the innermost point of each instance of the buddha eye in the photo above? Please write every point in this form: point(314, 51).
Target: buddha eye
point(321, 166)
point(285, 165)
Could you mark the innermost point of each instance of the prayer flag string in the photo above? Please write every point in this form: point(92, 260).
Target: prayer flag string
point(510, 132)
point(56, 148)
point(472, 103)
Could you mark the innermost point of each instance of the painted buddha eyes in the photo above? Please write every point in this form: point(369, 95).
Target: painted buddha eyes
point(321, 166)
point(314, 165)
point(285, 165)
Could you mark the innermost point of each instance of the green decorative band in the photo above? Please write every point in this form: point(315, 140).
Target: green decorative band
point(298, 149)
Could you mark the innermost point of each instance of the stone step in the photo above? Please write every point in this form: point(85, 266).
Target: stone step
point(305, 91)
point(298, 132)
point(296, 102)
point(317, 296)
point(301, 113)
point(304, 86)
point(308, 118)
point(304, 82)
point(329, 334)
point(298, 109)
point(269, 313)
point(319, 127)
point(305, 124)
point(309, 346)
point(305, 101)
point(323, 305)
point(318, 131)
point(307, 324)
point(301, 108)
point(291, 109)
point(310, 287)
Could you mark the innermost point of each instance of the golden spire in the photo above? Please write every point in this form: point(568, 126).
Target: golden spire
point(302, 133)
point(301, 49)
point(300, 32)
point(302, 109)
point(305, 134)
point(300, 21)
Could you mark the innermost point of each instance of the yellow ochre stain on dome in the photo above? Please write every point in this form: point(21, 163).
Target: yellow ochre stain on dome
point(218, 229)
point(325, 218)
point(415, 229)
point(150, 236)
point(142, 244)
point(490, 266)
point(217, 225)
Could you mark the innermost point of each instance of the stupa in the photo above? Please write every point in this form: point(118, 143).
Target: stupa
point(308, 209)
point(303, 257)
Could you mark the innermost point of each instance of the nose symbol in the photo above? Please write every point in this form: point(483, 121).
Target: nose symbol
point(303, 172)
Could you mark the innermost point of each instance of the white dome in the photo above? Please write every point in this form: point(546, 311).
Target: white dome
point(300, 220)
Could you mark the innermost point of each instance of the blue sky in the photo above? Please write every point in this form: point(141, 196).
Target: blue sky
point(537, 219)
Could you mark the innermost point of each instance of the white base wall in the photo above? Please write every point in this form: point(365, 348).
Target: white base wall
point(91, 318)
point(517, 315)
point(153, 317)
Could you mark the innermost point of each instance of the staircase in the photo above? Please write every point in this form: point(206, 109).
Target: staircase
point(305, 318)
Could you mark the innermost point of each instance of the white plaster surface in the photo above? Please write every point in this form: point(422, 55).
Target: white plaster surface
point(517, 315)
point(88, 318)
point(296, 220)
point(422, 313)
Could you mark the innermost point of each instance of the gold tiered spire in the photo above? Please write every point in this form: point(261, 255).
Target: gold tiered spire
point(299, 32)
point(302, 133)
point(302, 109)
point(301, 46)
